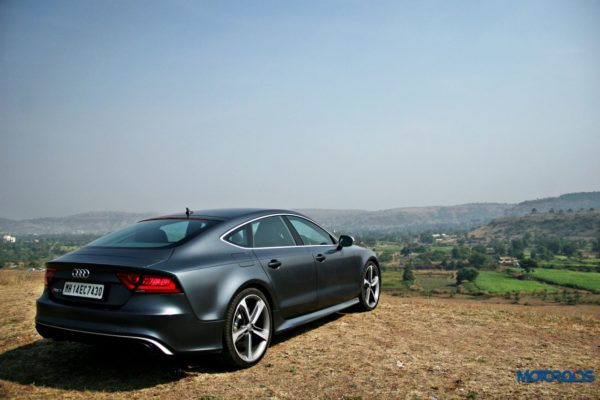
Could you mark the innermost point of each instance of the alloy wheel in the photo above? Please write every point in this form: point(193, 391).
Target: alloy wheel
point(251, 328)
point(371, 285)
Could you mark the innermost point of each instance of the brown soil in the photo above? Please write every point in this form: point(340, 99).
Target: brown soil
point(407, 348)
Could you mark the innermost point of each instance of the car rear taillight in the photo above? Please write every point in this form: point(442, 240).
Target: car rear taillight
point(49, 275)
point(130, 281)
point(148, 283)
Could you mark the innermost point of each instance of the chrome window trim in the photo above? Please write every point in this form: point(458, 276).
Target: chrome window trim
point(222, 237)
point(151, 341)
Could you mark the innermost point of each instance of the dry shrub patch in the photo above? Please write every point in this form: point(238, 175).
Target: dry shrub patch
point(407, 348)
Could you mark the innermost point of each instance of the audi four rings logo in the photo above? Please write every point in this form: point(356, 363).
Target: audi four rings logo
point(80, 273)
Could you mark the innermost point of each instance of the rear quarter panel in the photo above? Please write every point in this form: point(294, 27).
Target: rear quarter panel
point(210, 277)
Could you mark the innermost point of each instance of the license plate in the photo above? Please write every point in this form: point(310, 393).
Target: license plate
point(80, 289)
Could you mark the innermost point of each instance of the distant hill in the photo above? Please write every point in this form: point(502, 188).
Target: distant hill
point(566, 225)
point(413, 219)
point(407, 219)
point(92, 222)
point(573, 201)
point(466, 216)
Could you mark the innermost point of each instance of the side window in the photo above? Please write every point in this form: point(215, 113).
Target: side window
point(240, 236)
point(310, 233)
point(271, 232)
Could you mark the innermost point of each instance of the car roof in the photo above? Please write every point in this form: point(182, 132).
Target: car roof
point(230, 213)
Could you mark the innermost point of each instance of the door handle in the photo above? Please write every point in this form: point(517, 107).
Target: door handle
point(320, 257)
point(274, 264)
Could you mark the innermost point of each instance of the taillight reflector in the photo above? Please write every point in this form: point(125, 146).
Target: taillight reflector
point(49, 275)
point(130, 281)
point(148, 283)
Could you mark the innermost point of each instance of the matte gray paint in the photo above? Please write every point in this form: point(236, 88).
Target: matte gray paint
point(210, 272)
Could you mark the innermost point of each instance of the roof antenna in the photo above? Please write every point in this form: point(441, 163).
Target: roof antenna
point(188, 212)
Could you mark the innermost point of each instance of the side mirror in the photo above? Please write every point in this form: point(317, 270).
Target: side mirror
point(345, 241)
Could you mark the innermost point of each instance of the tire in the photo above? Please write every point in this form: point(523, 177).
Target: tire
point(248, 329)
point(370, 287)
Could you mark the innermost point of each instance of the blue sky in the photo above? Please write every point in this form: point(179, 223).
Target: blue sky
point(147, 105)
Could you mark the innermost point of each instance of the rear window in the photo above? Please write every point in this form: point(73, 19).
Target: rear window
point(155, 233)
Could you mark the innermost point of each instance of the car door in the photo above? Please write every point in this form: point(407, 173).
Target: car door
point(291, 268)
point(336, 280)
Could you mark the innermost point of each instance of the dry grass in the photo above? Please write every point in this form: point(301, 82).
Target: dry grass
point(407, 348)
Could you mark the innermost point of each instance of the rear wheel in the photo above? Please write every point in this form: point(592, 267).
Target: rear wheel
point(371, 287)
point(248, 329)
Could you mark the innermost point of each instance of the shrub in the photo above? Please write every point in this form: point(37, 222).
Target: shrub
point(466, 274)
point(408, 276)
point(529, 264)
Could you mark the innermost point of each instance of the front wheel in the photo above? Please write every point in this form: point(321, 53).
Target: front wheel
point(247, 329)
point(371, 287)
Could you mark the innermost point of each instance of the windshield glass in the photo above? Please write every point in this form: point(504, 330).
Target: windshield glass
point(155, 233)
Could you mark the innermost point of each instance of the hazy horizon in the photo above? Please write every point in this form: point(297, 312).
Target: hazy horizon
point(145, 105)
point(182, 209)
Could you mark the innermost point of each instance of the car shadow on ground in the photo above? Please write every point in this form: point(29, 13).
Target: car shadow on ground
point(75, 366)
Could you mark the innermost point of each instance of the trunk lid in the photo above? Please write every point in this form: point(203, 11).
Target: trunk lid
point(88, 276)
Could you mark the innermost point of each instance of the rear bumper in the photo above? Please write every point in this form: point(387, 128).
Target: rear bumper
point(166, 323)
point(76, 335)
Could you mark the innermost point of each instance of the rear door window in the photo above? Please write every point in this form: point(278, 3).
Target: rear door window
point(240, 237)
point(271, 232)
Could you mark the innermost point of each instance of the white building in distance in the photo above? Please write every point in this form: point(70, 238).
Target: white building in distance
point(9, 238)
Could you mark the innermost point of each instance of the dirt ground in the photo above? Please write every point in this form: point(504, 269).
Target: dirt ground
point(408, 348)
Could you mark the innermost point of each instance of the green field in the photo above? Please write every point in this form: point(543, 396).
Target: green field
point(583, 280)
point(435, 281)
point(581, 264)
point(392, 281)
point(443, 249)
point(494, 282)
